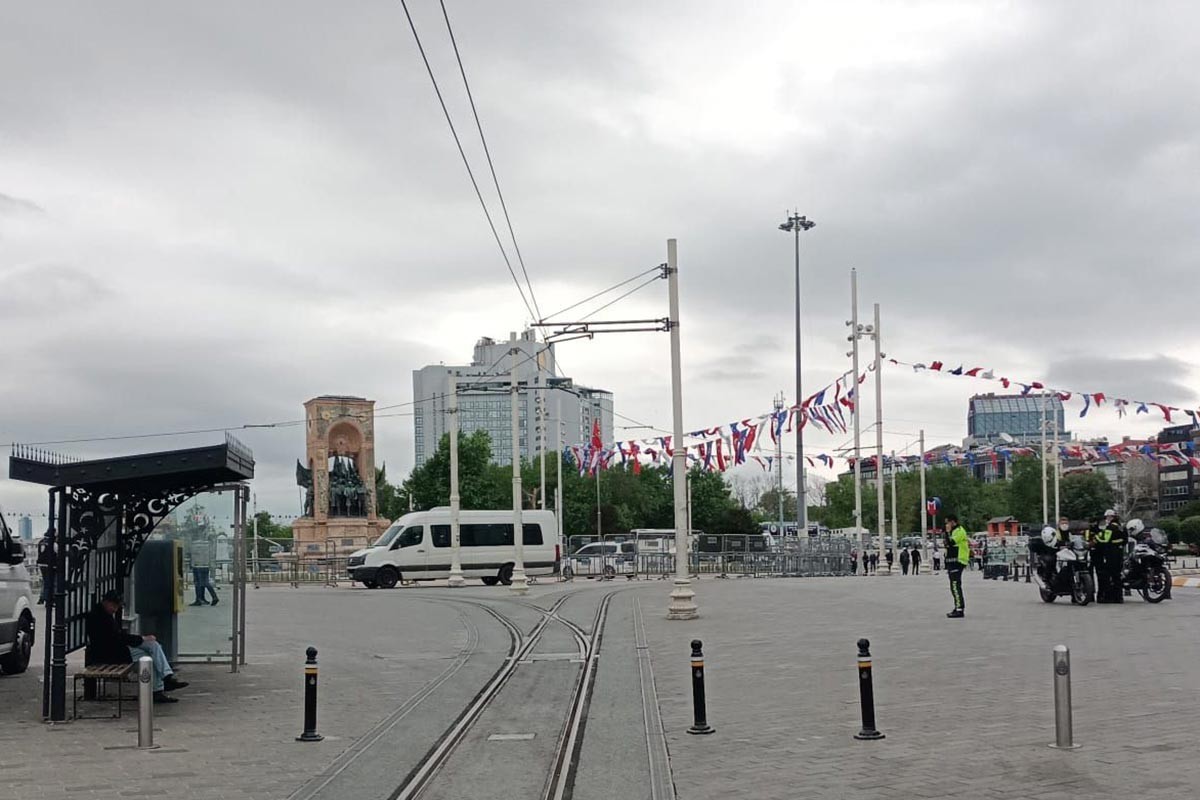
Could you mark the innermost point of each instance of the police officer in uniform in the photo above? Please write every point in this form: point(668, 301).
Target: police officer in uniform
point(1108, 544)
point(958, 556)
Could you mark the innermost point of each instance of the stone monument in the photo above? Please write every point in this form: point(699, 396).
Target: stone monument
point(339, 477)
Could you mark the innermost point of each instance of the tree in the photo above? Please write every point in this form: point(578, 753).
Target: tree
point(1139, 486)
point(390, 500)
point(271, 536)
point(1025, 489)
point(767, 509)
point(711, 502)
point(1085, 495)
point(1192, 509)
point(481, 484)
point(1189, 531)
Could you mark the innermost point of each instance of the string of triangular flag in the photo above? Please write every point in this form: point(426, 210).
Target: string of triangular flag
point(1090, 400)
point(721, 447)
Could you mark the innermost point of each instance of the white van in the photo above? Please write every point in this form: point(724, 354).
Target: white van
point(417, 547)
point(16, 611)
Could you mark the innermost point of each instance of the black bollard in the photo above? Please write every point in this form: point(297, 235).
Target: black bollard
point(866, 693)
point(700, 724)
point(1028, 571)
point(310, 699)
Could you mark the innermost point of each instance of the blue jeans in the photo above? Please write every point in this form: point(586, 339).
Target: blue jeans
point(202, 577)
point(162, 668)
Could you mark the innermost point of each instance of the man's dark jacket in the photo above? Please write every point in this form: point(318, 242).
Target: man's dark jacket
point(107, 643)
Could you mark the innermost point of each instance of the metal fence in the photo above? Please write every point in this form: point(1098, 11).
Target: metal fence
point(718, 555)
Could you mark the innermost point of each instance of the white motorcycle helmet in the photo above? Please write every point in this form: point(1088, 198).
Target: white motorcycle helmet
point(1049, 536)
point(1135, 527)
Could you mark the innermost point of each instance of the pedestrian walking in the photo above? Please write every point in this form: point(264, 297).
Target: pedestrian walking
point(874, 562)
point(937, 557)
point(958, 555)
point(891, 557)
point(916, 561)
point(853, 562)
point(201, 552)
point(904, 558)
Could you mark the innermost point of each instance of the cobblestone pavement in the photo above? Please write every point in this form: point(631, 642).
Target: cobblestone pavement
point(966, 704)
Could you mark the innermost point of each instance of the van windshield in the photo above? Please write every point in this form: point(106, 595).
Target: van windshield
point(389, 536)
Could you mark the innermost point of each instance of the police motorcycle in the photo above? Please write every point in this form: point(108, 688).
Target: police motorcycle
point(1062, 570)
point(1145, 569)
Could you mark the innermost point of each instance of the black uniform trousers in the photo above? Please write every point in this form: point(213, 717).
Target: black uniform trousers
point(955, 570)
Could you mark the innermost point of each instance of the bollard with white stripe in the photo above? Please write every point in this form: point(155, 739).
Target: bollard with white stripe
point(310, 698)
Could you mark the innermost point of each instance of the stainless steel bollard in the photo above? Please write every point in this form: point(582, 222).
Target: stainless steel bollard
point(145, 703)
point(1063, 727)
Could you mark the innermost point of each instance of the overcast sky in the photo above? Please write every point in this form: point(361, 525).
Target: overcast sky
point(210, 213)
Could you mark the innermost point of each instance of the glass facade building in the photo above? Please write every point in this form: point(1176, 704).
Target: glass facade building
point(996, 419)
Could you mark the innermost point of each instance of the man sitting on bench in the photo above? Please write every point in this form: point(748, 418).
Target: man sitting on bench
point(109, 644)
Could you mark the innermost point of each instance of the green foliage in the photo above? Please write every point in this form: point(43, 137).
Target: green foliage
point(1085, 495)
point(1189, 530)
point(481, 484)
point(1025, 490)
point(269, 532)
point(390, 500)
point(1192, 509)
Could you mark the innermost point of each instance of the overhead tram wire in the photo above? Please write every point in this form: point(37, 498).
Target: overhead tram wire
point(466, 163)
point(488, 154)
point(614, 287)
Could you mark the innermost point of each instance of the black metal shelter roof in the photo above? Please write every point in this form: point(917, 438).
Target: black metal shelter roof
point(194, 466)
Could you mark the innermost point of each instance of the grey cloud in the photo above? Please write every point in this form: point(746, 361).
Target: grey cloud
point(1155, 378)
point(257, 203)
point(10, 205)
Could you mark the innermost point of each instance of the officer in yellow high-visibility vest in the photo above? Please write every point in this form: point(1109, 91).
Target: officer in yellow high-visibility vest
point(958, 556)
point(1109, 549)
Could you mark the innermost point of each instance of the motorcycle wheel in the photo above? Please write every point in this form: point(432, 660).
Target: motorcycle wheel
point(1082, 591)
point(1158, 584)
point(1048, 595)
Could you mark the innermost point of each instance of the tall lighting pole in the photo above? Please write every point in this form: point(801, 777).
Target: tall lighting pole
point(879, 433)
point(795, 224)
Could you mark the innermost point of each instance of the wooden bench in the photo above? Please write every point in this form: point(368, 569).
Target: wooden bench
point(96, 678)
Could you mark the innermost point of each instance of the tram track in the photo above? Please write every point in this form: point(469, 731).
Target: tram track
point(562, 770)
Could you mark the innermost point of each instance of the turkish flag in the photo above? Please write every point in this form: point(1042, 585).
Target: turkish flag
point(596, 442)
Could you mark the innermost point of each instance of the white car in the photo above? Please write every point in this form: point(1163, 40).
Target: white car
point(601, 559)
point(16, 606)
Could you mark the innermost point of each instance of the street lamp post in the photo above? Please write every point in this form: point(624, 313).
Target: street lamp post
point(456, 573)
point(520, 583)
point(795, 224)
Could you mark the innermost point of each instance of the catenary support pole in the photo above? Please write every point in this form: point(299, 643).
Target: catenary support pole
point(683, 603)
point(923, 511)
point(456, 573)
point(541, 434)
point(520, 584)
point(895, 524)
point(779, 405)
point(1045, 495)
point(879, 445)
point(854, 334)
point(558, 446)
point(1057, 470)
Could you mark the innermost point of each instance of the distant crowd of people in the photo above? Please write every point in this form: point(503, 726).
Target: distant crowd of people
point(910, 560)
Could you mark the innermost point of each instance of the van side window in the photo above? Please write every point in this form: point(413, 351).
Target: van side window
point(441, 535)
point(531, 533)
point(410, 537)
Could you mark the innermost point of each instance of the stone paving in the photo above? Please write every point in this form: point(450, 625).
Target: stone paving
point(966, 704)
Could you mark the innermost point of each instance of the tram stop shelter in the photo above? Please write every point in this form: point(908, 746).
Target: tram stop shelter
point(102, 512)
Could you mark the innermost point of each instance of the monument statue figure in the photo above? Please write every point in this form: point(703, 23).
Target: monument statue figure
point(304, 479)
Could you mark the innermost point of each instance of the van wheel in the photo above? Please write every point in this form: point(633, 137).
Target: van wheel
point(505, 575)
point(490, 580)
point(17, 659)
point(387, 577)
